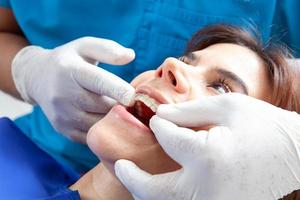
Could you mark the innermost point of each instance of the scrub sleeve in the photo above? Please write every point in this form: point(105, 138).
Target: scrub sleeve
point(5, 3)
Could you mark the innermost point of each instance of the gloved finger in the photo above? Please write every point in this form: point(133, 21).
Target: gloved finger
point(205, 111)
point(83, 121)
point(104, 51)
point(71, 132)
point(102, 82)
point(77, 135)
point(181, 144)
point(93, 103)
point(137, 181)
point(136, 198)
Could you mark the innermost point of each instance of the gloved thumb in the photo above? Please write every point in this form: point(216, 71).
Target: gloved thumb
point(179, 143)
point(133, 177)
point(104, 51)
point(205, 111)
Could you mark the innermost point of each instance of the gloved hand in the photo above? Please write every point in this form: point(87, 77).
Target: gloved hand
point(72, 91)
point(252, 153)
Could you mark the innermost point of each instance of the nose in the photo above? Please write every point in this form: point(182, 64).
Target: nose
point(172, 71)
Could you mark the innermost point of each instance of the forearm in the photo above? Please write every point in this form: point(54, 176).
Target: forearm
point(10, 44)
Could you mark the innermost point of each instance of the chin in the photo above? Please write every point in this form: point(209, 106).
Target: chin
point(114, 138)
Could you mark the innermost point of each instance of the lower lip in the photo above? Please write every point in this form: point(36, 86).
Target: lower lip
point(128, 117)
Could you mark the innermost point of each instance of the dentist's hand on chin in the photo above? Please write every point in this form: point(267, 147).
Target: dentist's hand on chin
point(72, 91)
point(252, 153)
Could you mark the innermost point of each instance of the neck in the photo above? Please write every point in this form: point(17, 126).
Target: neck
point(99, 183)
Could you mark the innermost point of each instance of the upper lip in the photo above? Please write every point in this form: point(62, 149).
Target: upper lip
point(151, 92)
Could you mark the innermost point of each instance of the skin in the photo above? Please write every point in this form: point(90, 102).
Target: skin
point(11, 41)
point(193, 80)
point(198, 74)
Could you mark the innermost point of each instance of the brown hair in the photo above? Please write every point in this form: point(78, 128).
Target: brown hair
point(281, 75)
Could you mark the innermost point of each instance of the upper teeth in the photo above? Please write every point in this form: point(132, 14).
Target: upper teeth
point(148, 101)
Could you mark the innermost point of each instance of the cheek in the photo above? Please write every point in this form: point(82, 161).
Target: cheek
point(94, 138)
point(155, 161)
point(142, 78)
point(199, 90)
point(109, 146)
point(262, 89)
point(105, 143)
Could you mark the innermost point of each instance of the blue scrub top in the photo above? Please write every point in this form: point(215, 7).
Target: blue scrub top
point(154, 29)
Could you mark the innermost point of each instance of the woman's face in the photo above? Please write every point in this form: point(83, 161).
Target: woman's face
point(215, 70)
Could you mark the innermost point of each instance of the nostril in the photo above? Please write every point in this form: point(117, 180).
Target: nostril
point(159, 73)
point(172, 78)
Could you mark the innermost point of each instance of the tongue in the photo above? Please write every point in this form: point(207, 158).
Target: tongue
point(144, 113)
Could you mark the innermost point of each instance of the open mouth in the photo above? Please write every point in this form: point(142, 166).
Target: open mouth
point(144, 108)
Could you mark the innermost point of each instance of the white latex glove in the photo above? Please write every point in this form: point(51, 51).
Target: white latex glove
point(252, 153)
point(72, 91)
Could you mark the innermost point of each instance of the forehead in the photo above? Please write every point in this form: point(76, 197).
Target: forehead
point(231, 56)
point(242, 61)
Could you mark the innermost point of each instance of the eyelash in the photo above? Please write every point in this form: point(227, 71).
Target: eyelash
point(222, 82)
point(182, 59)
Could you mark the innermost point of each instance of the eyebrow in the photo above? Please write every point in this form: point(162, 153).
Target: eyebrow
point(235, 78)
point(228, 74)
point(192, 56)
